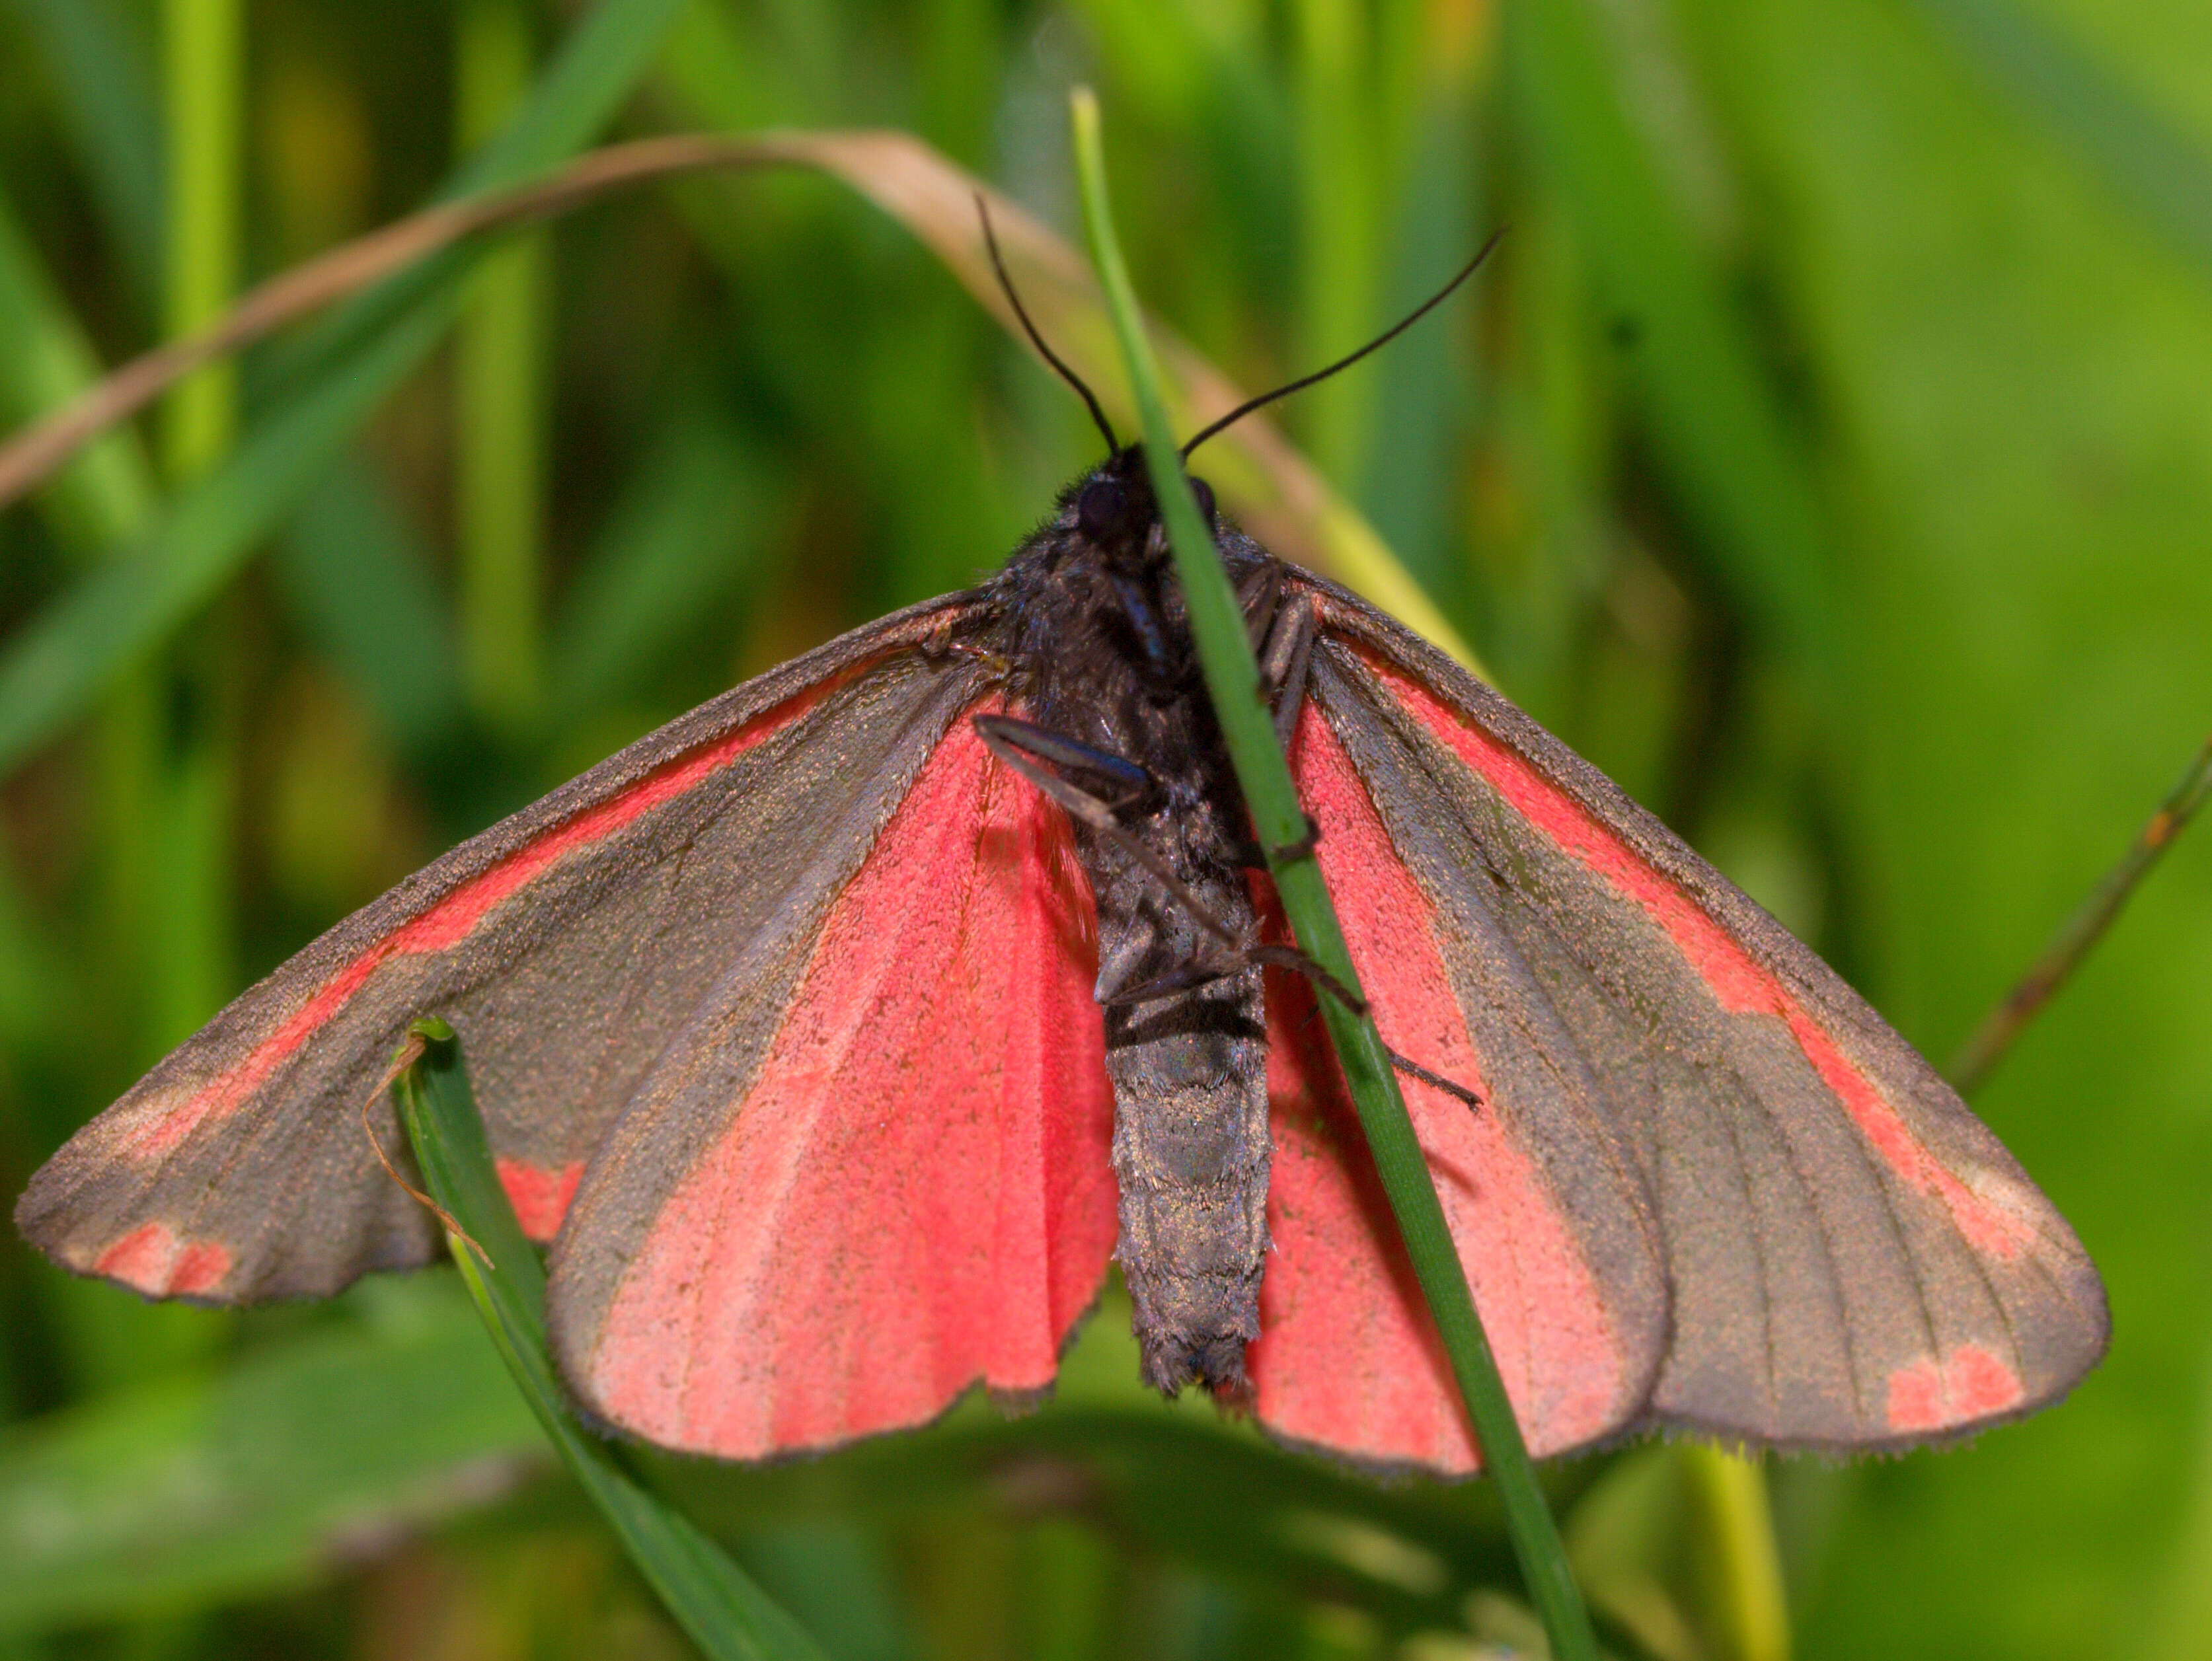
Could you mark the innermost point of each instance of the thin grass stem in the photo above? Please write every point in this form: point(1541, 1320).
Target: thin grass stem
point(1750, 1600)
point(193, 913)
point(1979, 1057)
point(1232, 679)
point(203, 53)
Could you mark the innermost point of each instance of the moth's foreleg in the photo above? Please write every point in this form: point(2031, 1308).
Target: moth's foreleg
point(1259, 592)
point(1140, 613)
point(1206, 971)
point(1024, 746)
point(1120, 783)
point(1286, 661)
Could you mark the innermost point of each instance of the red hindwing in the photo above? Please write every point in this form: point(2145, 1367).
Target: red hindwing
point(907, 1193)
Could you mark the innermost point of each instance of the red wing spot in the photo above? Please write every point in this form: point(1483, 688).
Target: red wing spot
point(1741, 985)
point(151, 1259)
point(453, 919)
point(1931, 1395)
point(1347, 1356)
point(540, 1198)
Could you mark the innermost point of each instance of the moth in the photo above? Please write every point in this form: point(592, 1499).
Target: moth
point(837, 1035)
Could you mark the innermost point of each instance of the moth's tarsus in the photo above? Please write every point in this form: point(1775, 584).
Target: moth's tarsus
point(1412, 1068)
point(1302, 849)
point(941, 644)
point(1290, 958)
point(407, 1055)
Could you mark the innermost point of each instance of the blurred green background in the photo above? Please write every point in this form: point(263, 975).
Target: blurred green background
point(1827, 454)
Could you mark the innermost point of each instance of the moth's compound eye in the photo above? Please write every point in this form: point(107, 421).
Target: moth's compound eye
point(1102, 507)
point(1204, 492)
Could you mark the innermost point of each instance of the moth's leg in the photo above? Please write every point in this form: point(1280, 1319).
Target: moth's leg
point(1283, 957)
point(1286, 660)
point(941, 642)
point(1414, 1070)
point(1259, 591)
point(1254, 857)
point(1021, 746)
point(1140, 611)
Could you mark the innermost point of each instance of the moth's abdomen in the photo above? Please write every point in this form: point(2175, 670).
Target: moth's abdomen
point(1190, 1157)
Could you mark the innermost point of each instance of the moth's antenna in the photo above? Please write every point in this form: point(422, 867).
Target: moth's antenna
point(1383, 339)
point(991, 241)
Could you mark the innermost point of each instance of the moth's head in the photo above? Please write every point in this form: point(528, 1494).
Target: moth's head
point(1113, 507)
point(1116, 511)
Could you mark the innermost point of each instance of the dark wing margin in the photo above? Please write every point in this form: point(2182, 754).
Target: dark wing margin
point(565, 945)
point(1852, 1259)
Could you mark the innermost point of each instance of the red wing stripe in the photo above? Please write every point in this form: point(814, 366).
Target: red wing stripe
point(1739, 982)
point(453, 919)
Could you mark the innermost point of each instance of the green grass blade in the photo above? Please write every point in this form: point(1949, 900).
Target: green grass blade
point(1713, 421)
point(726, 1614)
point(2155, 167)
point(359, 578)
point(683, 536)
point(499, 398)
point(192, 949)
point(1232, 680)
point(107, 100)
point(51, 671)
point(210, 1487)
point(203, 54)
point(1748, 1597)
point(1338, 217)
point(107, 494)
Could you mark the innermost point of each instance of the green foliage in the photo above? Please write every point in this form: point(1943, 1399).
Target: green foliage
point(1825, 455)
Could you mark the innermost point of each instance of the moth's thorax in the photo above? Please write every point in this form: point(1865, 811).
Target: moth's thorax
point(1098, 639)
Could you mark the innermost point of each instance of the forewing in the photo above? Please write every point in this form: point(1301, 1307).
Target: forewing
point(872, 1169)
point(1852, 1260)
point(567, 945)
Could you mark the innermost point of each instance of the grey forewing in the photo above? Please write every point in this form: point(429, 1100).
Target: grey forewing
point(694, 891)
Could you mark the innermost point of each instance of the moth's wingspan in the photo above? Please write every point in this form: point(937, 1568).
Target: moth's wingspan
point(1852, 1259)
point(873, 1170)
point(567, 945)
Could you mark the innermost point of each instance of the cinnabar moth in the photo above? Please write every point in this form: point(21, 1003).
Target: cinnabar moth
point(787, 1024)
